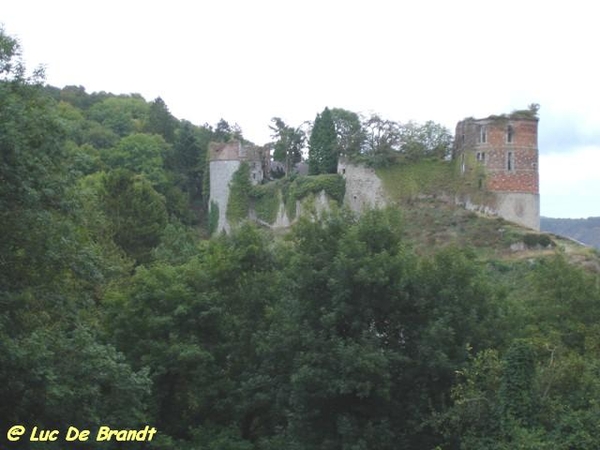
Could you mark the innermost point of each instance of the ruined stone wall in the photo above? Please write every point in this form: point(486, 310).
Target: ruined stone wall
point(364, 189)
point(224, 160)
point(504, 146)
point(225, 151)
point(315, 205)
point(520, 208)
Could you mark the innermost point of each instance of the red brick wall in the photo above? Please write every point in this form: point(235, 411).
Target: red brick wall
point(523, 174)
point(517, 182)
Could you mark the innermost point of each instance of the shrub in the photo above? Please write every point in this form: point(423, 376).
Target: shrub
point(535, 240)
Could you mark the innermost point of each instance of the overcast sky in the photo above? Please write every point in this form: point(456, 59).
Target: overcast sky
point(249, 60)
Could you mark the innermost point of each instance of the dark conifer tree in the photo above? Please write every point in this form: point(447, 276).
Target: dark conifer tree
point(322, 146)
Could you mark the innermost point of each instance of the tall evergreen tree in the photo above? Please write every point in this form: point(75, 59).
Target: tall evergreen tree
point(322, 145)
point(189, 157)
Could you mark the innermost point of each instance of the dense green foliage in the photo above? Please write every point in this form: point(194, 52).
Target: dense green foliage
point(387, 142)
point(342, 334)
point(137, 213)
point(349, 131)
point(407, 180)
point(54, 367)
point(266, 200)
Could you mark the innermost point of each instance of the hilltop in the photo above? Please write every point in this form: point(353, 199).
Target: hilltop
point(586, 231)
point(425, 193)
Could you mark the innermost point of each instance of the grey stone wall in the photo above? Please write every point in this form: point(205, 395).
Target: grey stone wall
point(364, 189)
point(221, 173)
point(518, 207)
point(256, 172)
point(521, 208)
point(318, 207)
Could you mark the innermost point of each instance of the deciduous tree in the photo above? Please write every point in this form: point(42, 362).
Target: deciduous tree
point(288, 145)
point(349, 131)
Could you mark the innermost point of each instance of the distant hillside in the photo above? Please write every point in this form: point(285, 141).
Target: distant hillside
point(583, 230)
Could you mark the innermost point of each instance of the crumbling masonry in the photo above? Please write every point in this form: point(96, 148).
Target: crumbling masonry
point(506, 148)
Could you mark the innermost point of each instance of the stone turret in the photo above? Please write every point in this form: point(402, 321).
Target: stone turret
point(224, 160)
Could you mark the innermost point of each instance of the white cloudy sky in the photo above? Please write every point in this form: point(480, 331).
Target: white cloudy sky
point(250, 60)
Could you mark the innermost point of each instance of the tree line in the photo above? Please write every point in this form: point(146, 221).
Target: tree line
point(371, 140)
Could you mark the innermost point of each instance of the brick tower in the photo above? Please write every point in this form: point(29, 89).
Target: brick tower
point(505, 147)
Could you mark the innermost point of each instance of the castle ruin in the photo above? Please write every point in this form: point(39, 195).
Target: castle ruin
point(499, 152)
point(506, 148)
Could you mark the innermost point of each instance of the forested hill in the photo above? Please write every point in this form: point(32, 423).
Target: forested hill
point(420, 326)
point(582, 230)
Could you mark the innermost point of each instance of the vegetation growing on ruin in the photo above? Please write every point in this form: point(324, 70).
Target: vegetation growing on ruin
point(333, 185)
point(530, 113)
point(433, 178)
point(213, 217)
point(238, 204)
point(426, 177)
point(266, 199)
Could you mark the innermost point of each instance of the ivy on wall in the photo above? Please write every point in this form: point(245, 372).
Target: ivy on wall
point(240, 187)
point(333, 185)
point(404, 182)
point(213, 217)
point(267, 198)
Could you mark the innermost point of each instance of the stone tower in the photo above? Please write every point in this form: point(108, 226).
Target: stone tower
point(224, 160)
point(505, 147)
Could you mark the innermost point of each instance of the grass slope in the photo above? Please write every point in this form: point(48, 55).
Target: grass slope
point(425, 192)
